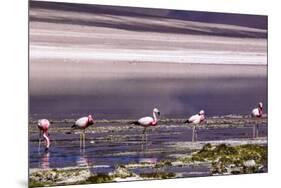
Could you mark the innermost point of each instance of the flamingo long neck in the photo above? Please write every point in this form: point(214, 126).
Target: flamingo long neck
point(260, 111)
point(202, 118)
point(155, 118)
point(89, 122)
point(47, 139)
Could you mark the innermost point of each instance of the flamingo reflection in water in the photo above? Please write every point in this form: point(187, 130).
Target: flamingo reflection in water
point(45, 161)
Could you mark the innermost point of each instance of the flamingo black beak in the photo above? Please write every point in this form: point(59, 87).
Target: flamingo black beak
point(158, 113)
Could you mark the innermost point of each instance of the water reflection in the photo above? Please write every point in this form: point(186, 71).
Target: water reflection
point(148, 160)
point(143, 147)
point(82, 160)
point(160, 146)
point(45, 161)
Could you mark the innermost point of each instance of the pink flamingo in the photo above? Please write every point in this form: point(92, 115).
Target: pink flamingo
point(82, 123)
point(257, 113)
point(196, 119)
point(146, 122)
point(43, 125)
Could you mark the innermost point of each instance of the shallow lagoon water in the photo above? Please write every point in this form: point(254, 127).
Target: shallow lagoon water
point(109, 145)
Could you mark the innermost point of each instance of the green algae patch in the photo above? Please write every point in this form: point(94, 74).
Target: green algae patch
point(33, 183)
point(99, 178)
point(122, 172)
point(253, 152)
point(186, 160)
point(233, 159)
point(210, 153)
point(163, 163)
point(158, 175)
point(54, 177)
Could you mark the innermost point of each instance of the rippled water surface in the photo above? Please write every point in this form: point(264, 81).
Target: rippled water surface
point(111, 144)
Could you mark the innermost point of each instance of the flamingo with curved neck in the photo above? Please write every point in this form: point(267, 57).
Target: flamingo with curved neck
point(195, 120)
point(43, 125)
point(83, 123)
point(146, 122)
point(257, 113)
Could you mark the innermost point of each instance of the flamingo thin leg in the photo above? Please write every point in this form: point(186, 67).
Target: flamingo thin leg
point(193, 132)
point(84, 139)
point(254, 130)
point(39, 141)
point(146, 137)
point(144, 134)
point(80, 140)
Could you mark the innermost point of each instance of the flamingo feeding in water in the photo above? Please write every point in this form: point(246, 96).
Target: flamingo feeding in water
point(43, 125)
point(82, 123)
point(147, 121)
point(196, 119)
point(257, 113)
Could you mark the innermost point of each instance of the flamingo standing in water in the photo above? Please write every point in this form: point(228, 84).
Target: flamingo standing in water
point(257, 113)
point(147, 121)
point(82, 123)
point(196, 119)
point(43, 125)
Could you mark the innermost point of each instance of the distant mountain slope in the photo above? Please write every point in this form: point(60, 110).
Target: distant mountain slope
point(153, 20)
